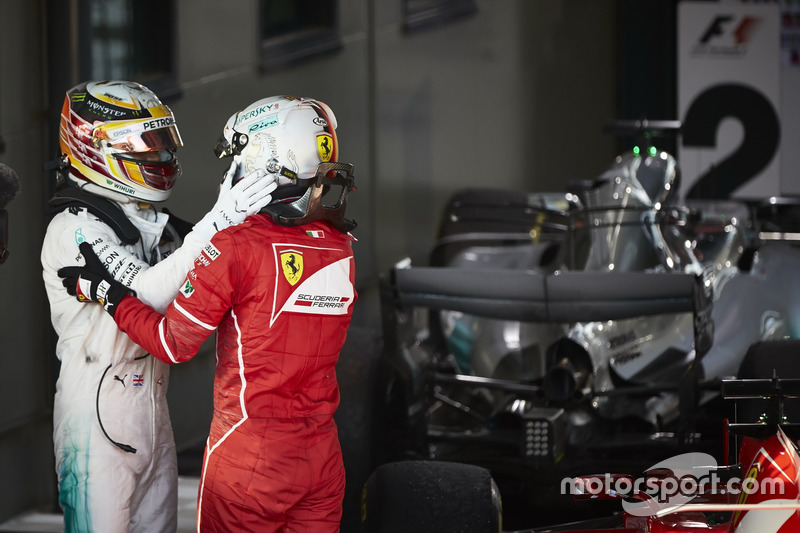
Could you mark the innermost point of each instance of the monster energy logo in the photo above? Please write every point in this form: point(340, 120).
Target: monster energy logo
point(104, 110)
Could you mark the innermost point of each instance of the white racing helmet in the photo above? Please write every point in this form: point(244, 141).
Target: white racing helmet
point(119, 136)
point(294, 140)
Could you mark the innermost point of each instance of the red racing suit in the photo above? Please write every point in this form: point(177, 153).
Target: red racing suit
point(281, 299)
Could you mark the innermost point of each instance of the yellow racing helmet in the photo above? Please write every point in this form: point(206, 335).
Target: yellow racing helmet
point(119, 136)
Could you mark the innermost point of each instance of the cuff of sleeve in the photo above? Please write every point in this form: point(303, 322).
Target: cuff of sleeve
point(205, 229)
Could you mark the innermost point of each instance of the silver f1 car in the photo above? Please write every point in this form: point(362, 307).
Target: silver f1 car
point(552, 328)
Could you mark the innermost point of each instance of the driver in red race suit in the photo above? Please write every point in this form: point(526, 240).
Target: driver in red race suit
point(113, 442)
point(279, 291)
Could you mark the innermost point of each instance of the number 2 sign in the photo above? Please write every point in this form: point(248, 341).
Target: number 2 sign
point(729, 99)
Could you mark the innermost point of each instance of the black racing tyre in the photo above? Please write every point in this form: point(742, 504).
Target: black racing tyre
point(762, 360)
point(431, 497)
point(358, 416)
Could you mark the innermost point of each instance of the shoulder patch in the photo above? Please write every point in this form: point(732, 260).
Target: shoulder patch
point(211, 251)
point(207, 255)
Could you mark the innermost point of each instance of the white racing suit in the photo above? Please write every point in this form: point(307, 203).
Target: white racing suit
point(111, 395)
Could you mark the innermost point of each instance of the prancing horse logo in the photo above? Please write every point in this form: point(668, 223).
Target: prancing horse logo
point(292, 265)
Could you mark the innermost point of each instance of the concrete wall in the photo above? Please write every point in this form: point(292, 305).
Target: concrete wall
point(513, 97)
point(26, 466)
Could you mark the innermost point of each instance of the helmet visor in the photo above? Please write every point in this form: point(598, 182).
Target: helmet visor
point(138, 136)
point(159, 170)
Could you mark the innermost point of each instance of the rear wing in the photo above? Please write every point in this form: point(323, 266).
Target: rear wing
point(531, 296)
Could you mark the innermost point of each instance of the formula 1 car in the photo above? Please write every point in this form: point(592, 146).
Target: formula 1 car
point(757, 492)
point(553, 331)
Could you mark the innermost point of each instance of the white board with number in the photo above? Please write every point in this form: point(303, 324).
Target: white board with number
point(729, 79)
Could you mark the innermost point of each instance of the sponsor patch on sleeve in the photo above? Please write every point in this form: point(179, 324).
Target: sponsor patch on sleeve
point(208, 254)
point(187, 289)
point(211, 251)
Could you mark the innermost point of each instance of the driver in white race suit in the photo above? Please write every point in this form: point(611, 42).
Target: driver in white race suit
point(279, 292)
point(114, 448)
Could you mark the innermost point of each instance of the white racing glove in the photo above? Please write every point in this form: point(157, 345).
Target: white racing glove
point(235, 203)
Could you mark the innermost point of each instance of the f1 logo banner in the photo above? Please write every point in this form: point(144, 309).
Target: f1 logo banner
point(729, 98)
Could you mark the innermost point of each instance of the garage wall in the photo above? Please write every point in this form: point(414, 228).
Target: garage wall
point(510, 97)
point(26, 465)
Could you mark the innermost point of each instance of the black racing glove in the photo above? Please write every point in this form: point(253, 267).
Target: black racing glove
point(93, 283)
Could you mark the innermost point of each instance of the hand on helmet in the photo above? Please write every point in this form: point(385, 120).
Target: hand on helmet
point(93, 283)
point(237, 202)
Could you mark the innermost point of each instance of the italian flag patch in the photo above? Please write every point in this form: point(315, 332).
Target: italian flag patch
point(317, 234)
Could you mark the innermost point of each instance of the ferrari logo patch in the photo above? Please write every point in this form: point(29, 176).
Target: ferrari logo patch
point(292, 265)
point(324, 146)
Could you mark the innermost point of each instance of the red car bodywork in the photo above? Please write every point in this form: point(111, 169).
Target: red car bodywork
point(772, 464)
